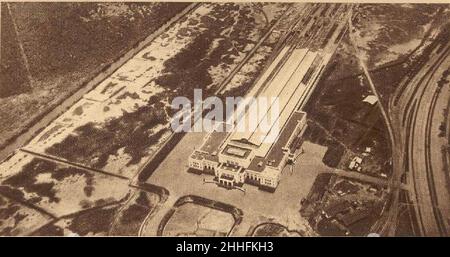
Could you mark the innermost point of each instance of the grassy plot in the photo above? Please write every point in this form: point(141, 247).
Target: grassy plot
point(58, 189)
point(133, 213)
point(119, 219)
point(93, 222)
point(342, 118)
point(391, 31)
point(17, 219)
point(273, 229)
point(132, 132)
point(196, 220)
point(13, 71)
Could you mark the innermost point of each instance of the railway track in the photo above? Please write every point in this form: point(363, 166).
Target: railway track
point(399, 109)
point(428, 167)
point(249, 55)
point(430, 173)
point(411, 112)
point(427, 76)
point(419, 63)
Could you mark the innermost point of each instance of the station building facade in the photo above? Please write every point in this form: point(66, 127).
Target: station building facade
point(235, 162)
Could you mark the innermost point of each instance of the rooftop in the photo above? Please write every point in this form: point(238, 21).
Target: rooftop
point(236, 151)
point(287, 86)
point(276, 154)
point(213, 142)
point(210, 146)
point(258, 164)
point(230, 167)
point(197, 155)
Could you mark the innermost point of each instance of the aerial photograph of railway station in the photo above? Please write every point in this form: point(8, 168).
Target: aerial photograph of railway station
point(224, 119)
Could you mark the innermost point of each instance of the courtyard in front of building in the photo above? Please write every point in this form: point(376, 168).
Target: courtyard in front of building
point(258, 206)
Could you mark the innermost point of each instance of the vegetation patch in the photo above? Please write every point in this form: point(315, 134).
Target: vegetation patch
point(273, 229)
point(133, 214)
point(61, 190)
point(16, 219)
point(93, 145)
point(66, 45)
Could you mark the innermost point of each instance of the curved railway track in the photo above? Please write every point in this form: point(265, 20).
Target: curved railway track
point(410, 114)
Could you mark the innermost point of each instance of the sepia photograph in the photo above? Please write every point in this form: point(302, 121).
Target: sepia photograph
point(224, 119)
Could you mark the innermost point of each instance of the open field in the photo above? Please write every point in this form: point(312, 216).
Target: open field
point(396, 41)
point(65, 45)
point(341, 119)
point(118, 219)
point(47, 198)
point(135, 100)
point(195, 220)
point(93, 222)
point(389, 32)
point(132, 213)
point(55, 188)
point(17, 219)
point(12, 66)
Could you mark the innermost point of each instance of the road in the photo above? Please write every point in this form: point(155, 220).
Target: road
point(362, 177)
point(69, 163)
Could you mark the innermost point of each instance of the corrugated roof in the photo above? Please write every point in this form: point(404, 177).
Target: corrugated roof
point(275, 155)
point(289, 96)
point(277, 87)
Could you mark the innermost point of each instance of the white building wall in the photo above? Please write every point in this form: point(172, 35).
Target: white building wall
point(195, 163)
point(243, 162)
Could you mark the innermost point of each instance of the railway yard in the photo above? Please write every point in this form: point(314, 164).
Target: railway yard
point(419, 111)
point(413, 112)
point(108, 163)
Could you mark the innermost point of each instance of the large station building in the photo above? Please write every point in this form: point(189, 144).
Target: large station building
point(236, 157)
